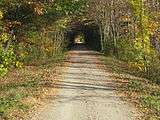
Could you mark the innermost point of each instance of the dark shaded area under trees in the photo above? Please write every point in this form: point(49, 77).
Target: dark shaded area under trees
point(89, 30)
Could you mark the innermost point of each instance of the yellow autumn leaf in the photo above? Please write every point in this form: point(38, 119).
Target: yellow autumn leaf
point(1, 14)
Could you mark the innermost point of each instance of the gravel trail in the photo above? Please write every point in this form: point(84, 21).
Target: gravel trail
point(86, 92)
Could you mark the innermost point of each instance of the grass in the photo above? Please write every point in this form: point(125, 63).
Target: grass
point(12, 96)
point(152, 102)
point(7, 104)
point(144, 93)
point(22, 89)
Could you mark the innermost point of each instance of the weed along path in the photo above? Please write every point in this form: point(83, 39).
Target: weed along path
point(86, 92)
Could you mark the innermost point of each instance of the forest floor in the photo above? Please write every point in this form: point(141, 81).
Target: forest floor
point(86, 86)
point(22, 90)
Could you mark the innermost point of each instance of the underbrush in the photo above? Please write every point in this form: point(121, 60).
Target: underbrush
point(153, 71)
point(22, 89)
point(145, 93)
point(12, 100)
point(148, 97)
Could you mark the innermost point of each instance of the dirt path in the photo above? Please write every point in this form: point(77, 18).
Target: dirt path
point(86, 93)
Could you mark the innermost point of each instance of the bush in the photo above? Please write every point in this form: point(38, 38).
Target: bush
point(7, 59)
point(152, 102)
point(153, 71)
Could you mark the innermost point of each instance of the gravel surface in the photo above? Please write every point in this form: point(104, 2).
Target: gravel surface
point(86, 92)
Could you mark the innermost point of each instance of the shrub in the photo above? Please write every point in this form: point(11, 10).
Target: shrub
point(7, 59)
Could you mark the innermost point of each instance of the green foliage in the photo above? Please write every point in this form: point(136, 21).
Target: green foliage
point(4, 37)
point(3, 70)
point(9, 102)
point(15, 94)
point(149, 97)
point(7, 59)
point(153, 71)
point(134, 45)
point(38, 28)
point(152, 102)
point(71, 7)
point(135, 86)
point(1, 14)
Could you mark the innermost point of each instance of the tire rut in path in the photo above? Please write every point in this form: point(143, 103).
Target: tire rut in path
point(86, 92)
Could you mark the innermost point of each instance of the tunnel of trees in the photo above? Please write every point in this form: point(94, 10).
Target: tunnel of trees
point(32, 31)
point(36, 34)
point(89, 30)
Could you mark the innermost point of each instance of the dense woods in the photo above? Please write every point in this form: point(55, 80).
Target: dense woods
point(36, 30)
point(33, 30)
point(130, 31)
